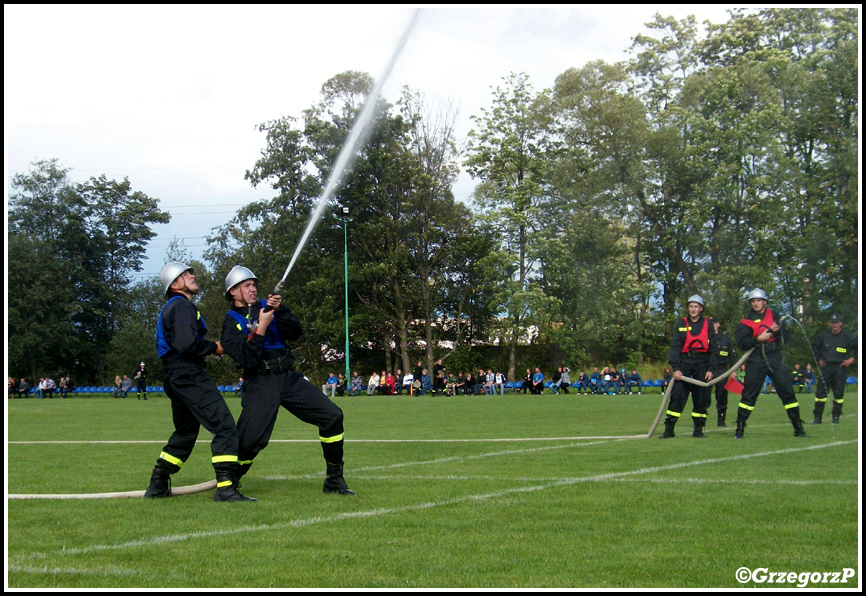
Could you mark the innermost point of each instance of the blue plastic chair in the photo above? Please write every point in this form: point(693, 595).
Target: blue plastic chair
point(659, 383)
point(852, 381)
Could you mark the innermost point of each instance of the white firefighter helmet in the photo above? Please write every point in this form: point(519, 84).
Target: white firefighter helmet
point(697, 298)
point(758, 293)
point(236, 276)
point(171, 272)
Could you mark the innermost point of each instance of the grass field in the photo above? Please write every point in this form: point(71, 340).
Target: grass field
point(457, 492)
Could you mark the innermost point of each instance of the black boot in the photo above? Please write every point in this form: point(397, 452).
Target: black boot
point(699, 428)
point(334, 481)
point(835, 419)
point(741, 427)
point(160, 484)
point(228, 488)
point(794, 417)
point(818, 412)
point(722, 414)
point(669, 429)
point(799, 431)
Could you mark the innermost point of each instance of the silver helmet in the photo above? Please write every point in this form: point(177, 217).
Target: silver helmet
point(236, 276)
point(758, 293)
point(171, 272)
point(697, 298)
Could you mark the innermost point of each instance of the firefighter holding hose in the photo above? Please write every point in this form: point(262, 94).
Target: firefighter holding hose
point(761, 330)
point(255, 334)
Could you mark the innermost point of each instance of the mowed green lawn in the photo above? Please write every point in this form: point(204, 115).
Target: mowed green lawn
point(456, 492)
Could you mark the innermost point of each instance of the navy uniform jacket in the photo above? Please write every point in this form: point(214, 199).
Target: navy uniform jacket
point(834, 348)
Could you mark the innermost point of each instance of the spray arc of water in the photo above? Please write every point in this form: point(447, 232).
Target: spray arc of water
point(358, 136)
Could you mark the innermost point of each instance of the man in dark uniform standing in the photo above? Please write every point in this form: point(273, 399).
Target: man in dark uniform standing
point(141, 381)
point(254, 334)
point(689, 357)
point(722, 357)
point(761, 330)
point(195, 400)
point(836, 349)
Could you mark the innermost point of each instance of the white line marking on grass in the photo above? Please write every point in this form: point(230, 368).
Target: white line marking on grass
point(454, 458)
point(650, 480)
point(158, 540)
point(111, 570)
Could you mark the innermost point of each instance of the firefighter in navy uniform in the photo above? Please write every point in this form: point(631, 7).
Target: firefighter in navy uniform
point(761, 330)
point(254, 334)
point(722, 357)
point(689, 357)
point(836, 349)
point(195, 400)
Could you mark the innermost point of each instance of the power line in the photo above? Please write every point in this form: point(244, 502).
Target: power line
point(209, 205)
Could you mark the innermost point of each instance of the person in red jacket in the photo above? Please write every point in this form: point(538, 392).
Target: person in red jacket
point(762, 331)
point(689, 357)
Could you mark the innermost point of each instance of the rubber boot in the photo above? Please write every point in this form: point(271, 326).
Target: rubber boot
point(227, 489)
point(741, 427)
point(670, 422)
point(160, 484)
point(334, 481)
point(699, 429)
point(722, 415)
point(818, 412)
point(799, 431)
point(836, 412)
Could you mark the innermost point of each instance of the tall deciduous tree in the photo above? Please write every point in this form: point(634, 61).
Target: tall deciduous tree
point(508, 153)
point(91, 236)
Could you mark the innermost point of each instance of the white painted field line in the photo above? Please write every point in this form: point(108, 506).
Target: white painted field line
point(455, 458)
point(111, 571)
point(850, 416)
point(646, 480)
point(148, 542)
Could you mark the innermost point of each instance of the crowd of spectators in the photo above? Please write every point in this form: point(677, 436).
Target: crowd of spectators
point(609, 381)
point(46, 387)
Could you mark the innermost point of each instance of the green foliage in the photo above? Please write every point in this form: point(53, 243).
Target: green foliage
point(74, 247)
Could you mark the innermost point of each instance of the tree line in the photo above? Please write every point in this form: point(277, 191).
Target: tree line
point(702, 164)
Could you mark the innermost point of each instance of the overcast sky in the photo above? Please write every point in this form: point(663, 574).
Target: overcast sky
point(170, 96)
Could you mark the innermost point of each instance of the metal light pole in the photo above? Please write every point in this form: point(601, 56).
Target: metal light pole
point(345, 216)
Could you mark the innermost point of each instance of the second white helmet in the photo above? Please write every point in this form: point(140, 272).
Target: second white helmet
point(758, 293)
point(236, 276)
point(171, 272)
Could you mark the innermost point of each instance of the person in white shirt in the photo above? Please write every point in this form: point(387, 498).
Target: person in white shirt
point(373, 383)
point(499, 384)
point(408, 379)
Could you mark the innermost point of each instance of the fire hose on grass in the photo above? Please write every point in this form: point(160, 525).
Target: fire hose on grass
point(175, 491)
point(715, 381)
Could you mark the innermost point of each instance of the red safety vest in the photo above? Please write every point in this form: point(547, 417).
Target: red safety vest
point(696, 343)
point(758, 326)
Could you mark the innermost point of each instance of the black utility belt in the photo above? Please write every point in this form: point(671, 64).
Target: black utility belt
point(696, 354)
point(276, 365)
point(770, 346)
